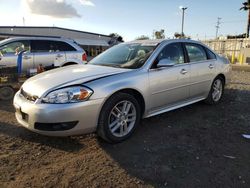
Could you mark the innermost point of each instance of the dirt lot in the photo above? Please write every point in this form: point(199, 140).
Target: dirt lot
point(195, 146)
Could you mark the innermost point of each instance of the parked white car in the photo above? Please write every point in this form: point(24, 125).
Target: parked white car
point(44, 51)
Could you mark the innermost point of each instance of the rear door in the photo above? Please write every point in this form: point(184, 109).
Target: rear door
point(72, 54)
point(46, 53)
point(202, 67)
point(169, 86)
point(9, 53)
point(60, 53)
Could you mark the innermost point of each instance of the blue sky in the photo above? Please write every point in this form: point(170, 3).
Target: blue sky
point(129, 18)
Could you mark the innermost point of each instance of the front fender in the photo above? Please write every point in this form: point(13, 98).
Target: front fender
point(105, 87)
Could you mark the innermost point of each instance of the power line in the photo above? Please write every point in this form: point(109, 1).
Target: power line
point(230, 21)
point(234, 21)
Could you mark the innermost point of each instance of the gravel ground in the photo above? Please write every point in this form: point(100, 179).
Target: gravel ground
point(195, 146)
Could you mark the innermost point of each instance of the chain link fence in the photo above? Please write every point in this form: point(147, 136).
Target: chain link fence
point(231, 48)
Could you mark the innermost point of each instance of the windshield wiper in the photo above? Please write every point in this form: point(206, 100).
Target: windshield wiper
point(111, 65)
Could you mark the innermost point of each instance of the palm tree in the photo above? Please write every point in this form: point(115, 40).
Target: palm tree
point(246, 7)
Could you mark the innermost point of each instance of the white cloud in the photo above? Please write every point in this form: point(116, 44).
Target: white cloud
point(53, 8)
point(87, 2)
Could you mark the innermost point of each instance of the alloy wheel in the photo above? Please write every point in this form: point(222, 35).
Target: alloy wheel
point(217, 90)
point(122, 118)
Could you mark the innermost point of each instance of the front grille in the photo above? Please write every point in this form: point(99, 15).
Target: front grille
point(28, 96)
point(62, 126)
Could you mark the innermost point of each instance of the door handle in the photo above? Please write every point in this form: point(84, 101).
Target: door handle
point(211, 66)
point(26, 57)
point(59, 55)
point(183, 71)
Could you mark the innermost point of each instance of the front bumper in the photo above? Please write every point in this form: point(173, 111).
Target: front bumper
point(84, 113)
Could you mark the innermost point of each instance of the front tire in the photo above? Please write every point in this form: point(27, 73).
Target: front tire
point(216, 91)
point(119, 118)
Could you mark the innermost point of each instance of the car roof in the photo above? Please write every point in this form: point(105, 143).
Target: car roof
point(155, 42)
point(39, 38)
point(69, 41)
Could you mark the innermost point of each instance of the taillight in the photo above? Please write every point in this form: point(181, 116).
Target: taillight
point(84, 57)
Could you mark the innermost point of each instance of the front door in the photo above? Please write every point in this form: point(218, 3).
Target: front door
point(169, 86)
point(9, 53)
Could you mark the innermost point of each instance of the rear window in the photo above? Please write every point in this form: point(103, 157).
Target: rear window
point(63, 46)
point(41, 46)
point(210, 54)
point(196, 52)
point(50, 46)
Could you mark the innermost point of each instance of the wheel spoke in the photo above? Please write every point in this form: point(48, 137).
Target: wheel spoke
point(113, 123)
point(124, 107)
point(113, 113)
point(118, 110)
point(116, 127)
point(121, 130)
point(125, 128)
point(131, 119)
point(214, 95)
point(132, 114)
point(128, 108)
point(218, 84)
point(217, 90)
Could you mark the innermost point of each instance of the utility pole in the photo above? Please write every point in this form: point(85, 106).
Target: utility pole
point(217, 27)
point(246, 7)
point(182, 21)
point(23, 21)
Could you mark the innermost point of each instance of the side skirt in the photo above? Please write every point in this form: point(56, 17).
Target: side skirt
point(163, 110)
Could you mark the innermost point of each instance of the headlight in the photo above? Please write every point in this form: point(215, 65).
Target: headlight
point(68, 95)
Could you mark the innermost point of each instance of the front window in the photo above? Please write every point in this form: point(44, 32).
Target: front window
point(131, 56)
point(172, 52)
point(14, 48)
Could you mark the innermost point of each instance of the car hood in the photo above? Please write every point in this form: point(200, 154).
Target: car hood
point(65, 76)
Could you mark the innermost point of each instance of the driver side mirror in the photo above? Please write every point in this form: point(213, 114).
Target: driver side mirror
point(165, 63)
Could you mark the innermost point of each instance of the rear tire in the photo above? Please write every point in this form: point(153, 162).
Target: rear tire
point(119, 118)
point(216, 92)
point(6, 93)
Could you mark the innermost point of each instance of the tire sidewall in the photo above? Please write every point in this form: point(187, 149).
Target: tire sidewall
point(210, 97)
point(10, 93)
point(105, 112)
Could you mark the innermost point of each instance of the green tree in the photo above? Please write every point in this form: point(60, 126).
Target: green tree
point(142, 37)
point(159, 34)
point(116, 36)
point(178, 35)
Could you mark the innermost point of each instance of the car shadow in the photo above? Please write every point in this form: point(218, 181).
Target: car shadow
point(68, 144)
point(6, 106)
point(187, 147)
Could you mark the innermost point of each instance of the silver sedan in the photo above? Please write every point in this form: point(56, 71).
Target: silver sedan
point(116, 89)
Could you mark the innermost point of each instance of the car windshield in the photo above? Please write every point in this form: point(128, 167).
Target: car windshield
point(126, 55)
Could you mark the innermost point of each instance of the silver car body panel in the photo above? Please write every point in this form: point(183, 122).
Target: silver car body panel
point(85, 113)
point(34, 59)
point(45, 82)
point(162, 89)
